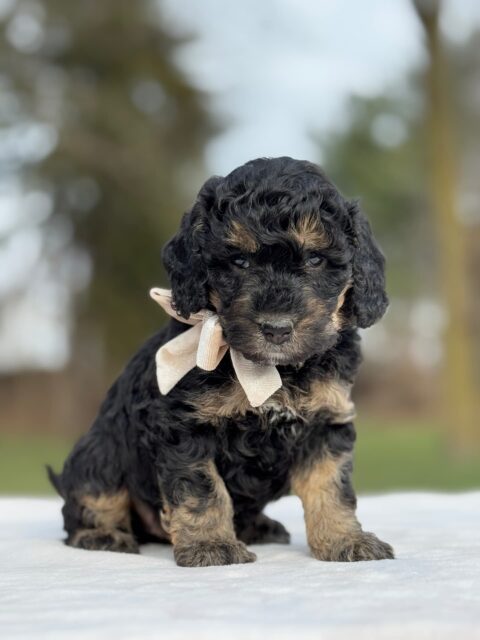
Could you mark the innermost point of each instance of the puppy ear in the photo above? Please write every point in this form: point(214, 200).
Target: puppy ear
point(182, 255)
point(369, 297)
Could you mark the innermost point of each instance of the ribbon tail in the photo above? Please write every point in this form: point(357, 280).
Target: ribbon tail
point(258, 381)
point(176, 358)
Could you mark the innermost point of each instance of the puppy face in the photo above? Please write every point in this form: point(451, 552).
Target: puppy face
point(285, 261)
point(278, 282)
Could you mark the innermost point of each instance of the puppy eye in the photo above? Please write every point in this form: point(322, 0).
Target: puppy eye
point(241, 262)
point(315, 261)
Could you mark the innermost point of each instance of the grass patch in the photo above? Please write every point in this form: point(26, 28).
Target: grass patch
point(409, 456)
point(23, 459)
point(388, 456)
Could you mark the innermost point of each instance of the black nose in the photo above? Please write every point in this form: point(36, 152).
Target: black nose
point(278, 332)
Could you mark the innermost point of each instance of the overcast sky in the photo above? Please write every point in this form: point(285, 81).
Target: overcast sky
point(281, 68)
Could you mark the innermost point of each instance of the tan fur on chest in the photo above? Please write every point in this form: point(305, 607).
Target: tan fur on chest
point(230, 401)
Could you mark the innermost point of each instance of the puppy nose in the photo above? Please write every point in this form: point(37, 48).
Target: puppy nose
point(277, 332)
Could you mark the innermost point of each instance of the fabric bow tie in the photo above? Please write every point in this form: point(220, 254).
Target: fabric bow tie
point(204, 346)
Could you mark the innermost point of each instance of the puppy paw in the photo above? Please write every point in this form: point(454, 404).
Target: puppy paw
point(358, 547)
point(207, 554)
point(97, 540)
point(264, 530)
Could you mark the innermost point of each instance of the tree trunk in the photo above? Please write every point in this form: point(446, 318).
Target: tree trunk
point(459, 389)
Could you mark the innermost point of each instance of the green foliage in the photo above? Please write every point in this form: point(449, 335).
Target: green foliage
point(379, 157)
point(23, 460)
point(131, 133)
point(409, 455)
point(380, 154)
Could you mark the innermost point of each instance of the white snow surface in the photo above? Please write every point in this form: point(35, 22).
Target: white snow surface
point(432, 589)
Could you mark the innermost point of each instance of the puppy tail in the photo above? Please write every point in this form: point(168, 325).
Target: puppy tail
point(56, 480)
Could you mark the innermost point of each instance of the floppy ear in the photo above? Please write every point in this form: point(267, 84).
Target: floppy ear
point(182, 255)
point(369, 297)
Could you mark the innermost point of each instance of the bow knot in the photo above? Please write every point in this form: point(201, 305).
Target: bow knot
point(204, 346)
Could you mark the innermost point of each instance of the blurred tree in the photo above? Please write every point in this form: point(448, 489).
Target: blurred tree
point(384, 153)
point(128, 133)
point(452, 255)
point(378, 155)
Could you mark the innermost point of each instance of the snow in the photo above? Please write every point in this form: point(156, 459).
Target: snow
point(432, 589)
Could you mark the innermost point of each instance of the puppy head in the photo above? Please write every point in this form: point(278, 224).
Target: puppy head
point(285, 261)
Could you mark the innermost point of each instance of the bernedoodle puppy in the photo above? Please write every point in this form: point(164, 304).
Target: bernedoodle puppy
point(288, 270)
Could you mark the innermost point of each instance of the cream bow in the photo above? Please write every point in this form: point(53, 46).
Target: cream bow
point(204, 346)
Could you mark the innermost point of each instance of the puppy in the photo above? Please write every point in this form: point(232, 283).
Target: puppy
point(292, 270)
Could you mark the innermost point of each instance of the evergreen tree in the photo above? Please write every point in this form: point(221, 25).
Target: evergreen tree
point(130, 132)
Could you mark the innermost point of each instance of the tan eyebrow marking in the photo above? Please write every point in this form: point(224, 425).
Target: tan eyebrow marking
point(242, 238)
point(309, 233)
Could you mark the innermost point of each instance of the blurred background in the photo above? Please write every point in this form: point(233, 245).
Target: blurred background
point(112, 115)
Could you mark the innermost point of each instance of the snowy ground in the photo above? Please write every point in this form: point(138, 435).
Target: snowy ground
point(432, 589)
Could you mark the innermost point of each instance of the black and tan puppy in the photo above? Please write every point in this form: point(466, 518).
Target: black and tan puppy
point(293, 271)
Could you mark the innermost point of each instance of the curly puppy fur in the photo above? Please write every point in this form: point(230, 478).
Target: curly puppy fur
point(292, 270)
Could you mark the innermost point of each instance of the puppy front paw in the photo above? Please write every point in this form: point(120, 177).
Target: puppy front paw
point(207, 554)
point(357, 547)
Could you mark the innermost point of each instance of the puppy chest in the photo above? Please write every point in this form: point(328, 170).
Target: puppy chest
point(289, 405)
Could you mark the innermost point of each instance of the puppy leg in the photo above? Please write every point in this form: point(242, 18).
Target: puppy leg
point(333, 531)
point(97, 505)
point(198, 515)
point(260, 529)
point(100, 522)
